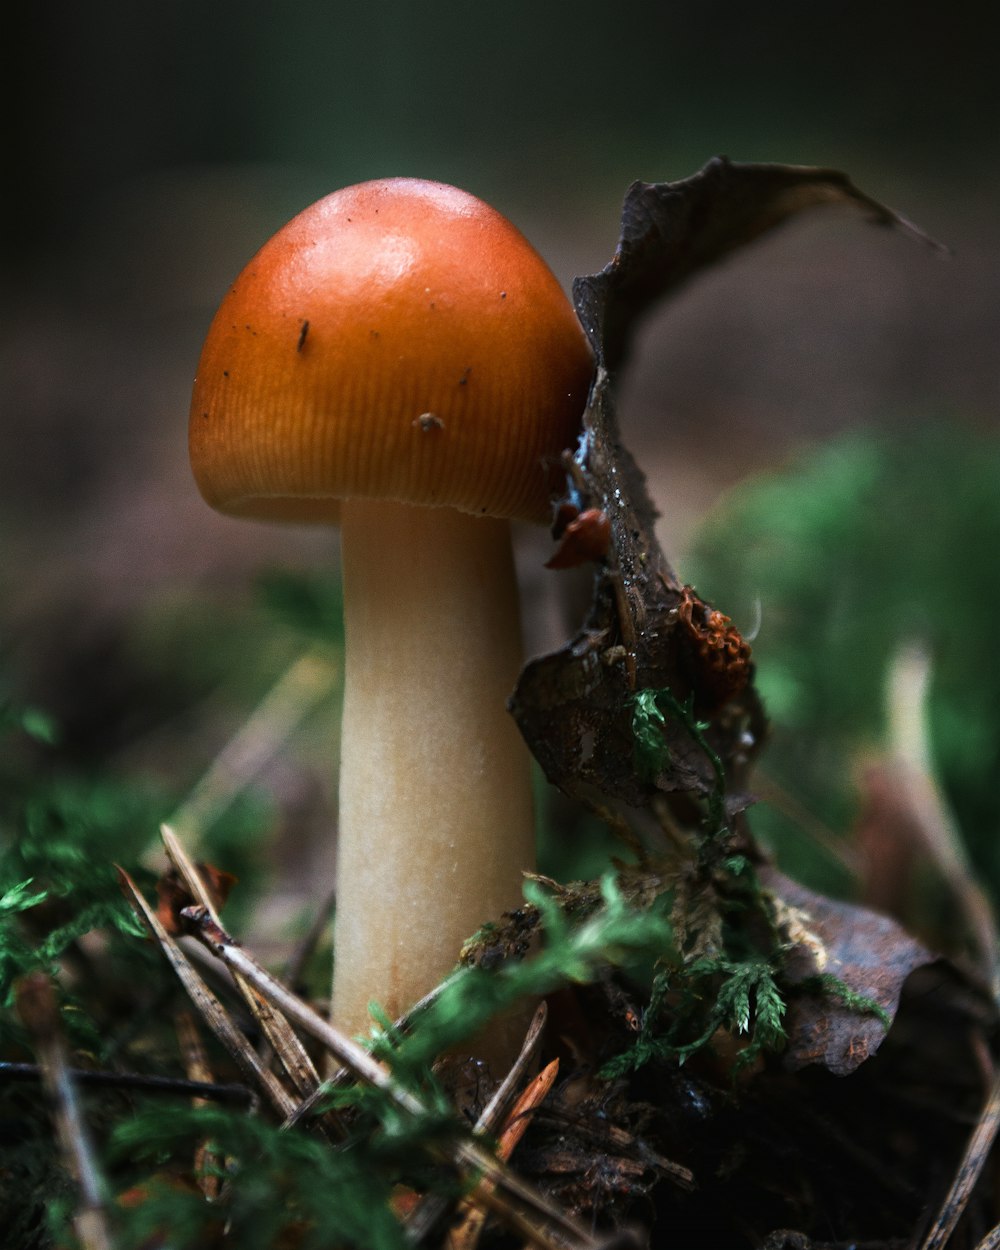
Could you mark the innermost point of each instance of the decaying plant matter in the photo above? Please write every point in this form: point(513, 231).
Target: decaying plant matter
point(717, 1066)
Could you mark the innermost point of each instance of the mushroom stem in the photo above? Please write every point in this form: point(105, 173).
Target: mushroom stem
point(436, 823)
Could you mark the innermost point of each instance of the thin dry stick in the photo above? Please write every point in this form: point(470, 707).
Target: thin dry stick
point(426, 1215)
point(285, 1043)
point(991, 1241)
point(522, 1225)
point(343, 1074)
point(215, 1015)
point(465, 1153)
point(497, 1105)
point(973, 1161)
point(466, 1234)
point(142, 1081)
point(207, 1163)
point(320, 925)
point(36, 1005)
point(299, 690)
point(774, 795)
point(623, 1239)
point(291, 974)
point(909, 683)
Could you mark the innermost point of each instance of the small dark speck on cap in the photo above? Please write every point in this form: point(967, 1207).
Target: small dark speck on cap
point(503, 294)
point(302, 335)
point(225, 373)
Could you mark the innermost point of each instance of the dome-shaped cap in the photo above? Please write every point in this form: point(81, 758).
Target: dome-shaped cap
point(398, 339)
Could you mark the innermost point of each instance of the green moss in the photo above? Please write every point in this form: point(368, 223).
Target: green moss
point(857, 549)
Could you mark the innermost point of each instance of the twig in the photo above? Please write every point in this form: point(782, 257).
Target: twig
point(192, 1051)
point(321, 922)
point(209, 1166)
point(36, 1005)
point(291, 973)
point(343, 1074)
point(175, 1086)
point(522, 1225)
point(973, 1161)
point(466, 1234)
point(465, 1153)
point(215, 1015)
point(991, 1241)
point(623, 1239)
point(433, 1207)
point(493, 1112)
point(909, 682)
point(775, 795)
point(300, 689)
point(290, 1051)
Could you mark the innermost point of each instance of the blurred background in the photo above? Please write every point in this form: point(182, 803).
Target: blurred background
point(152, 148)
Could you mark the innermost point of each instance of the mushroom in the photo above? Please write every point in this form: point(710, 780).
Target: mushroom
point(400, 360)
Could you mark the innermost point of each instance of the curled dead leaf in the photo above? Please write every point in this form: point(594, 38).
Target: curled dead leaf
point(574, 706)
point(837, 943)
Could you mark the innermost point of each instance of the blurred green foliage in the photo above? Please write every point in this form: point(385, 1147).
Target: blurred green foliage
point(309, 603)
point(854, 551)
point(66, 819)
point(287, 1185)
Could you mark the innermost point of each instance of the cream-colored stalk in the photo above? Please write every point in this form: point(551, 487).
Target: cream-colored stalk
point(436, 824)
point(402, 340)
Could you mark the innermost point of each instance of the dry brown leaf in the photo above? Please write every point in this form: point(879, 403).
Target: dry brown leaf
point(870, 954)
point(574, 706)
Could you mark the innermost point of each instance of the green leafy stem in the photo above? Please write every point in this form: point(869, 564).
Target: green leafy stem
point(745, 1001)
point(652, 753)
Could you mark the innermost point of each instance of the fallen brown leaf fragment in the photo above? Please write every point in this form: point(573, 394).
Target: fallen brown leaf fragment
point(868, 954)
point(574, 706)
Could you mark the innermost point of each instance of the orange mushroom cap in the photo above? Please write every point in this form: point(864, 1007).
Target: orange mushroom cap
point(398, 339)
